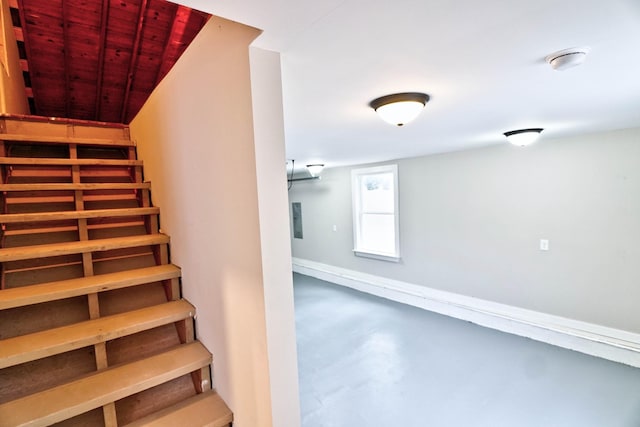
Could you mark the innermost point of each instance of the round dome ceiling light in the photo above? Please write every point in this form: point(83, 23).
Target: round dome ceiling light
point(399, 108)
point(523, 137)
point(315, 169)
point(567, 58)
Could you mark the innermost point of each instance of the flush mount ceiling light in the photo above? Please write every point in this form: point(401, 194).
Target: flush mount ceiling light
point(315, 169)
point(567, 58)
point(523, 137)
point(399, 108)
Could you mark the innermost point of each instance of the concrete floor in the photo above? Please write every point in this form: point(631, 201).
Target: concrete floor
point(368, 362)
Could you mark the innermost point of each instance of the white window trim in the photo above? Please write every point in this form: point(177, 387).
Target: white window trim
point(355, 185)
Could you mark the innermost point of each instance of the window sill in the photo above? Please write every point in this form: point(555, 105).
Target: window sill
point(378, 256)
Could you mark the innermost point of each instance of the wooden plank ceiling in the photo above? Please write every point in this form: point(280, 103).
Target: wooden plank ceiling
point(99, 59)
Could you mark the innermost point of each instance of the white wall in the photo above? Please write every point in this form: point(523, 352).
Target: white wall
point(196, 137)
point(470, 223)
point(268, 124)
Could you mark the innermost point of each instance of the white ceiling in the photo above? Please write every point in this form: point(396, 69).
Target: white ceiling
point(482, 63)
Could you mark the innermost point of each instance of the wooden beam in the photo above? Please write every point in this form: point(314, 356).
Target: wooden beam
point(134, 60)
point(27, 48)
point(102, 48)
point(175, 26)
point(67, 59)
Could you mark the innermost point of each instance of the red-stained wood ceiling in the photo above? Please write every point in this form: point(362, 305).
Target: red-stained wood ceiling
point(99, 59)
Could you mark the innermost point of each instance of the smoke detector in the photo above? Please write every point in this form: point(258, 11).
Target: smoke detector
point(567, 58)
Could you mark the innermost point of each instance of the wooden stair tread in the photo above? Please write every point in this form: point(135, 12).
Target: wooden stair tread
point(85, 214)
point(34, 294)
point(85, 246)
point(76, 186)
point(36, 161)
point(103, 387)
point(205, 409)
point(66, 140)
point(26, 348)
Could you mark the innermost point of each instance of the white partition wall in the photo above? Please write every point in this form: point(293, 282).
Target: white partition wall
point(196, 137)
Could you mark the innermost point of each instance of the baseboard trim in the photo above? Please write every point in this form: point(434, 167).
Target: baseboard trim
point(601, 341)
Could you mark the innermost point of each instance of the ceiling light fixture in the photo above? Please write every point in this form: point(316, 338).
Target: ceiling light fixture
point(314, 170)
point(399, 108)
point(523, 137)
point(567, 58)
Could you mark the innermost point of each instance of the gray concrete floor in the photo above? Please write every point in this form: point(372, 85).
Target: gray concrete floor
point(368, 362)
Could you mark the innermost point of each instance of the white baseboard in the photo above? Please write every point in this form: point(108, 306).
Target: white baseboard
point(601, 341)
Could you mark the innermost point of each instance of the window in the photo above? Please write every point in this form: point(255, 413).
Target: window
point(375, 212)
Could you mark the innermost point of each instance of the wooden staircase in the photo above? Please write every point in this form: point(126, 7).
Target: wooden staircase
point(92, 328)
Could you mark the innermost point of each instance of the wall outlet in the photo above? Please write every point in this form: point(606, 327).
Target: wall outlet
point(544, 244)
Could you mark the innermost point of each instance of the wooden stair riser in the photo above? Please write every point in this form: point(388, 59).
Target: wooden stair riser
point(72, 225)
point(33, 174)
point(67, 226)
point(54, 156)
point(17, 202)
point(36, 201)
point(102, 262)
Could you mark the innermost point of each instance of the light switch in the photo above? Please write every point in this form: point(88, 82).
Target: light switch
point(544, 244)
point(335, 228)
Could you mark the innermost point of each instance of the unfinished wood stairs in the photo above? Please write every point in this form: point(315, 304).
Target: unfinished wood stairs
point(93, 331)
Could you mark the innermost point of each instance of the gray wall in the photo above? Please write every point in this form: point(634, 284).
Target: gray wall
point(471, 221)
